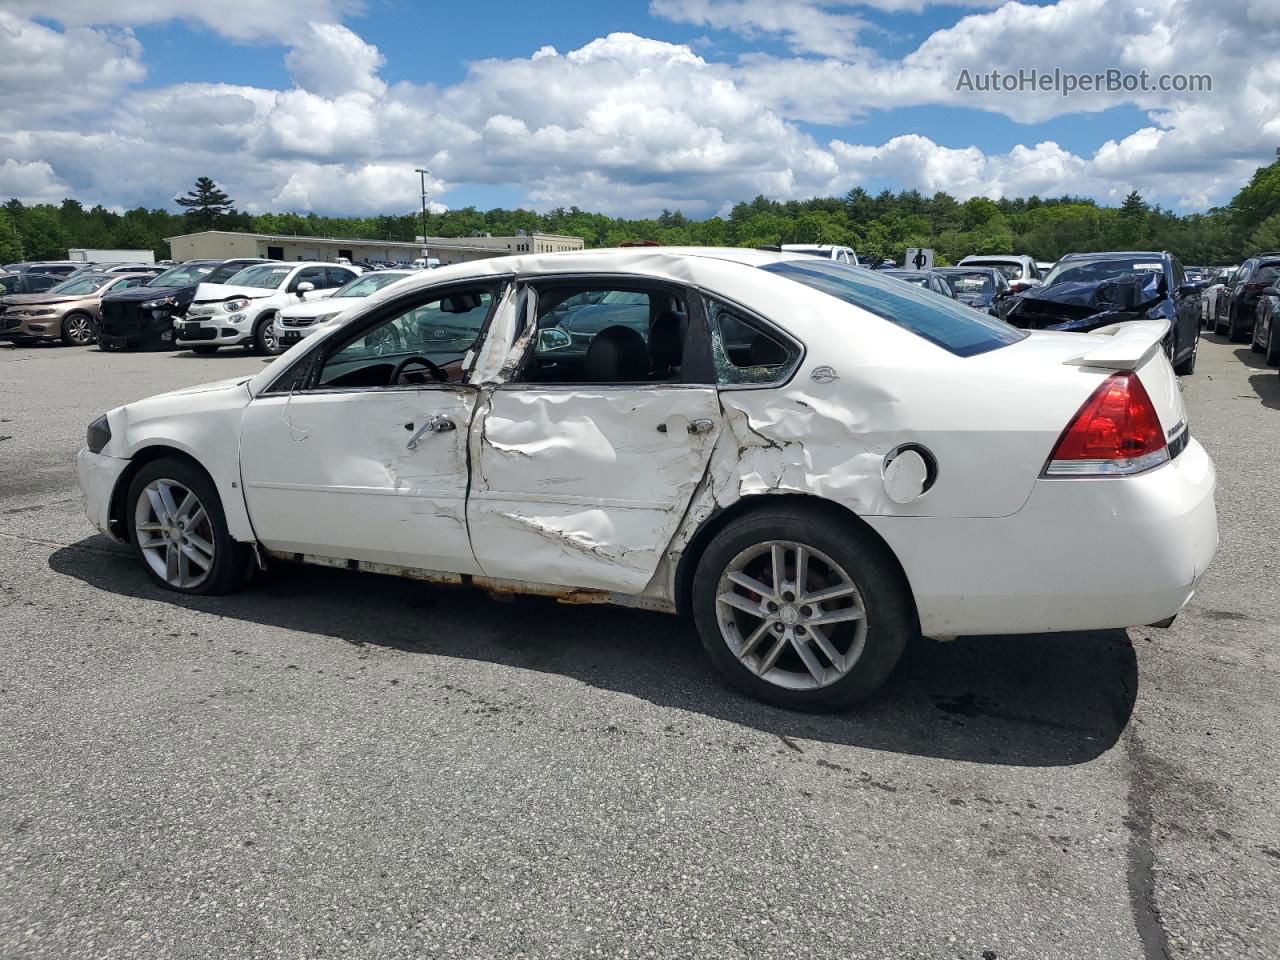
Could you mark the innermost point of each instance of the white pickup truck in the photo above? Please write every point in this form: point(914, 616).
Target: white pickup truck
point(244, 308)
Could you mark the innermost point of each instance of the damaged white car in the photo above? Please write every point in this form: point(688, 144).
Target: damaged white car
point(813, 461)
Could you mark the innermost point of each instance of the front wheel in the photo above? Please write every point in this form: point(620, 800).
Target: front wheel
point(264, 336)
point(177, 526)
point(77, 330)
point(799, 611)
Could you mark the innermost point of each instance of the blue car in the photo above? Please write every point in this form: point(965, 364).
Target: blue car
point(1085, 291)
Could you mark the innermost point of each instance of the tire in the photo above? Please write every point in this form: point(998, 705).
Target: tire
point(264, 337)
point(1234, 333)
point(1272, 353)
point(1219, 327)
point(1188, 365)
point(77, 330)
point(801, 675)
point(202, 532)
point(204, 351)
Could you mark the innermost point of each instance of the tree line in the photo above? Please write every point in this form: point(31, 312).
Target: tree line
point(879, 225)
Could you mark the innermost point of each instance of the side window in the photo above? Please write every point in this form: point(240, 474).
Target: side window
point(608, 334)
point(338, 278)
point(311, 275)
point(745, 351)
point(128, 282)
point(438, 331)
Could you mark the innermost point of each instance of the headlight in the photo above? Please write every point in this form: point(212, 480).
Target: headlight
point(98, 435)
point(39, 313)
point(325, 317)
point(235, 306)
point(162, 302)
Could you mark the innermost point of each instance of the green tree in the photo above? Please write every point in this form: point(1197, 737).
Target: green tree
point(1267, 236)
point(205, 202)
point(10, 241)
point(43, 237)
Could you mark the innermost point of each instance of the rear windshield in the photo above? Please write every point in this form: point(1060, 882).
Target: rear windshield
point(1011, 269)
point(943, 322)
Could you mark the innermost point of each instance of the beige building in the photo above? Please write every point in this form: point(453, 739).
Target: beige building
point(224, 244)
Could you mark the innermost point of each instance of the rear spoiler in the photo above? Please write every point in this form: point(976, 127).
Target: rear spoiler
point(1132, 344)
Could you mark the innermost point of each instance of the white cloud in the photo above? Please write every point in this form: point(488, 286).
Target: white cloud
point(33, 179)
point(45, 71)
point(631, 124)
point(328, 59)
point(241, 20)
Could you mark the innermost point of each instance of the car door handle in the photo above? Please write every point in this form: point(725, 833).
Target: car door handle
point(437, 424)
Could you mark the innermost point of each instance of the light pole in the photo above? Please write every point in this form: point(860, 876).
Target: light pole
point(422, 178)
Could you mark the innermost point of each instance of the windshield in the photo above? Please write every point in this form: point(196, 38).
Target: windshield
point(943, 322)
point(1095, 271)
point(81, 285)
point(265, 276)
point(368, 284)
point(915, 279)
point(972, 284)
point(1011, 269)
point(183, 275)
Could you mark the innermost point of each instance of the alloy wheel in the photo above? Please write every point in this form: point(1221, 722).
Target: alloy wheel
point(175, 533)
point(79, 330)
point(791, 615)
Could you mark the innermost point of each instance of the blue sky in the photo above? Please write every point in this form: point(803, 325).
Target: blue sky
point(693, 104)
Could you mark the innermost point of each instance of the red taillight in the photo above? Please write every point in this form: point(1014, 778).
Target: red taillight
point(1253, 287)
point(1116, 432)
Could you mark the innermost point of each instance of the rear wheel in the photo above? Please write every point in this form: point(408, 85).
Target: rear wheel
point(264, 336)
point(177, 526)
point(1235, 331)
point(1272, 354)
point(1219, 327)
point(799, 611)
point(77, 330)
point(1255, 344)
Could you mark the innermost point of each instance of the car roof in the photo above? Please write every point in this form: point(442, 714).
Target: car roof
point(1110, 254)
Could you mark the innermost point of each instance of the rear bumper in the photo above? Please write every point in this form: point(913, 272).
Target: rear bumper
point(99, 475)
point(1080, 555)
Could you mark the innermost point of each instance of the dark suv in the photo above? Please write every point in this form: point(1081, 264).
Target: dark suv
point(143, 317)
point(1243, 293)
point(1085, 291)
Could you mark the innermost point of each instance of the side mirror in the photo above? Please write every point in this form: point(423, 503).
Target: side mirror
point(1189, 289)
point(553, 338)
point(305, 287)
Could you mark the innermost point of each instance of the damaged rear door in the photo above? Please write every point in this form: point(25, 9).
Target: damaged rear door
point(585, 457)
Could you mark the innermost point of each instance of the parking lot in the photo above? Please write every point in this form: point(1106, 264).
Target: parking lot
point(337, 764)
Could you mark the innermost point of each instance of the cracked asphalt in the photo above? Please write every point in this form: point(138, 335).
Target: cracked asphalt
point(334, 764)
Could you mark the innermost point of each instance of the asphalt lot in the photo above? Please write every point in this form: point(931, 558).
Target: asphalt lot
point(335, 764)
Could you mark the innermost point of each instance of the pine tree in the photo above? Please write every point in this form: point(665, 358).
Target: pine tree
point(1134, 206)
point(205, 203)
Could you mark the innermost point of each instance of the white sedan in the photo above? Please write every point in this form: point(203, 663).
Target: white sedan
point(300, 320)
point(814, 462)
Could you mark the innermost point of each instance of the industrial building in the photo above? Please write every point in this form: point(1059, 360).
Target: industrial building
point(225, 244)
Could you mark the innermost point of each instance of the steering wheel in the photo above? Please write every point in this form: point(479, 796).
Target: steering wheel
point(437, 374)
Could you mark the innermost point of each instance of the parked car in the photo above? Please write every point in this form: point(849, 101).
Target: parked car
point(142, 318)
point(925, 279)
point(983, 288)
point(1235, 319)
point(60, 268)
point(814, 462)
point(301, 320)
point(27, 282)
point(66, 311)
point(243, 308)
point(1265, 339)
point(1086, 291)
point(827, 251)
point(1212, 297)
point(1042, 268)
point(1019, 270)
